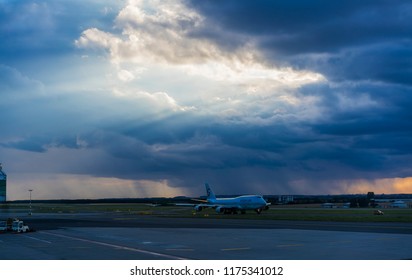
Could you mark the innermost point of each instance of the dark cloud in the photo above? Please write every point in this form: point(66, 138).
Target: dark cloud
point(345, 143)
point(310, 26)
point(47, 28)
point(365, 126)
point(362, 109)
point(388, 62)
point(355, 40)
point(330, 149)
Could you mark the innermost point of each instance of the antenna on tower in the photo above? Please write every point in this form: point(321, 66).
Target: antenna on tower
point(3, 185)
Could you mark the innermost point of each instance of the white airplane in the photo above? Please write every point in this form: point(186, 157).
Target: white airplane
point(234, 204)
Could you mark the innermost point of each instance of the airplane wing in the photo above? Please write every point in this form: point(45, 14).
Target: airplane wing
point(200, 200)
point(197, 205)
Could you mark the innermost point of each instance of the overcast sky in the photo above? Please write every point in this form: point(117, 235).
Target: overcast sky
point(153, 98)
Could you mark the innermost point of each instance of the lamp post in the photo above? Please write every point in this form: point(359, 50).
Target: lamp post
point(30, 203)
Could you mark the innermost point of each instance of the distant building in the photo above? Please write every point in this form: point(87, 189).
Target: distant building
point(285, 199)
point(328, 205)
point(3, 185)
point(399, 204)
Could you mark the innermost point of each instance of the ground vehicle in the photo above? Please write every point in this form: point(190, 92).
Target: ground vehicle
point(378, 212)
point(3, 226)
point(19, 226)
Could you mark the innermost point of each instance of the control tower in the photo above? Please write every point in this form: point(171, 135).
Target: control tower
point(3, 184)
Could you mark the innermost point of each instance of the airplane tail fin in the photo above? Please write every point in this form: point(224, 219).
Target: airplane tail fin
point(210, 193)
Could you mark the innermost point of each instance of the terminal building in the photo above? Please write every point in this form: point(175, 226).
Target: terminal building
point(3, 185)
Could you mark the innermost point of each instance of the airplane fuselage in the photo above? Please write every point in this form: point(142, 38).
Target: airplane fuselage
point(245, 202)
point(233, 204)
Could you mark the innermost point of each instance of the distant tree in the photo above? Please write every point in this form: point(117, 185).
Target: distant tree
point(363, 202)
point(371, 199)
point(354, 203)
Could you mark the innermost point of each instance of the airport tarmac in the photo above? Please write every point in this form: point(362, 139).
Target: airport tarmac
point(116, 236)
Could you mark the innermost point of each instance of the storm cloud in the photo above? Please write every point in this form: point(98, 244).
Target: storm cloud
point(152, 98)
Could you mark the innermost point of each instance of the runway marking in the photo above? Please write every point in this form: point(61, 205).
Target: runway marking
point(116, 246)
point(289, 245)
point(187, 250)
point(235, 249)
point(340, 242)
point(38, 239)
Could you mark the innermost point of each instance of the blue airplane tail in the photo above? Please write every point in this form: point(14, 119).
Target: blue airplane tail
point(210, 193)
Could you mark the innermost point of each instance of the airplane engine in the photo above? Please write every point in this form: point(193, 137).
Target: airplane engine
point(219, 209)
point(198, 208)
point(266, 207)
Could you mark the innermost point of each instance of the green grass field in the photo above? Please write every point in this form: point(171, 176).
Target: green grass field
point(296, 213)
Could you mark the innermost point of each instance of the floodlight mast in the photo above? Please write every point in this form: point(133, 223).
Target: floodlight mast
point(30, 212)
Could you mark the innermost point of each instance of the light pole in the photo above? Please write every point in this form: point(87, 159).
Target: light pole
point(30, 203)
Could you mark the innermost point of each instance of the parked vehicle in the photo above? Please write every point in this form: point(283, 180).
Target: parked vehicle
point(3, 226)
point(378, 212)
point(18, 227)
